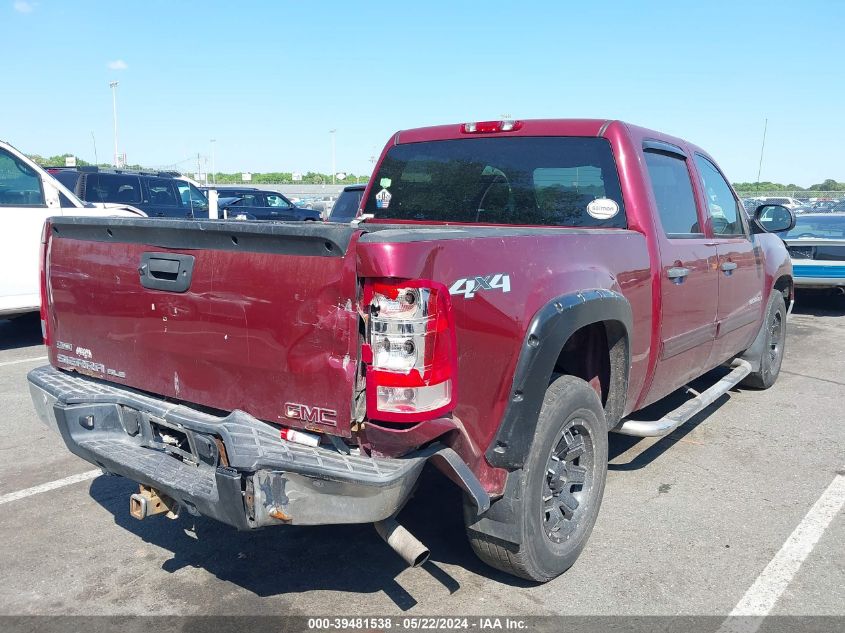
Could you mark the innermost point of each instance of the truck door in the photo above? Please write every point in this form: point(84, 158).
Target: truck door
point(23, 209)
point(740, 267)
point(688, 279)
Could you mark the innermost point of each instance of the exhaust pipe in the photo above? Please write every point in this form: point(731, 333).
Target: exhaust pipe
point(402, 541)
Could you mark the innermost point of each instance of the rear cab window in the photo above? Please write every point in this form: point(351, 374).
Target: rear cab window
point(542, 181)
point(346, 207)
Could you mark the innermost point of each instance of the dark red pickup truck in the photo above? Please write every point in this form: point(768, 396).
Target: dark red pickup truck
point(510, 292)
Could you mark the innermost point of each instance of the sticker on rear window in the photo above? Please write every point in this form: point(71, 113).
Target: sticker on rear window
point(385, 182)
point(383, 199)
point(603, 208)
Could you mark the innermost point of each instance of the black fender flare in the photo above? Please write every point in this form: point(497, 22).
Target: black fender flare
point(547, 333)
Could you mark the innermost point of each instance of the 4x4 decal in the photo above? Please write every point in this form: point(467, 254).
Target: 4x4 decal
point(468, 286)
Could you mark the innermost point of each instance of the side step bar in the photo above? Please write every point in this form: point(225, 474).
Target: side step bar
point(671, 421)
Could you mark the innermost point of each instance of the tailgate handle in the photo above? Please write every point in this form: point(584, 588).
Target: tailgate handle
point(166, 271)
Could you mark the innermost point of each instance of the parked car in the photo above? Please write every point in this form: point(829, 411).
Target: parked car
point(259, 204)
point(823, 206)
point(519, 292)
point(788, 202)
point(751, 204)
point(28, 196)
point(347, 204)
point(817, 248)
point(158, 194)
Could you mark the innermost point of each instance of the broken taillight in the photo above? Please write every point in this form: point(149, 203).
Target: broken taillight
point(46, 233)
point(410, 350)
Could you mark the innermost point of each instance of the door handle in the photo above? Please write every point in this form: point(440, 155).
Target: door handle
point(677, 274)
point(166, 271)
point(728, 267)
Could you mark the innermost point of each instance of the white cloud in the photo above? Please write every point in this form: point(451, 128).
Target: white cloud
point(118, 64)
point(22, 6)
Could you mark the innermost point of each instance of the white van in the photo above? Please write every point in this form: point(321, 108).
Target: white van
point(28, 196)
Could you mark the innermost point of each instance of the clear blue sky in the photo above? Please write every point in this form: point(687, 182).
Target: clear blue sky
point(268, 80)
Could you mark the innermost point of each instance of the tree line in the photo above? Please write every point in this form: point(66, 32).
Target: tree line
point(221, 178)
point(316, 178)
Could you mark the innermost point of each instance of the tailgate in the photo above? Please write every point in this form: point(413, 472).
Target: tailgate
point(228, 315)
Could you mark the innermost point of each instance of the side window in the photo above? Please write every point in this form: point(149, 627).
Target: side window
point(275, 200)
point(190, 195)
point(250, 200)
point(113, 188)
point(20, 185)
point(670, 182)
point(163, 192)
point(723, 208)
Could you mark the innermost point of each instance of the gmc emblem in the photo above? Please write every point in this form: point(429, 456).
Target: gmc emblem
point(317, 415)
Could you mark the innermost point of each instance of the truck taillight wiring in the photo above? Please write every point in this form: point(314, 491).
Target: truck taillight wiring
point(410, 350)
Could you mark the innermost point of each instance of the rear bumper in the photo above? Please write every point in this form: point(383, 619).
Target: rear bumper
point(235, 469)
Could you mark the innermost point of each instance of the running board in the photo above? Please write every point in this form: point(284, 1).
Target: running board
point(671, 421)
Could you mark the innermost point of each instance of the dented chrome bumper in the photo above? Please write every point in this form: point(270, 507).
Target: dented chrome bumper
point(235, 469)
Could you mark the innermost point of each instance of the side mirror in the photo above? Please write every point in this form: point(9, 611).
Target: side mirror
point(773, 218)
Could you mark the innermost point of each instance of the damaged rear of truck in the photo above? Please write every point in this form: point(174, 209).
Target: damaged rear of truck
point(495, 319)
point(182, 353)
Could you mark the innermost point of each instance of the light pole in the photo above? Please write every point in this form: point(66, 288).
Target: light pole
point(113, 86)
point(213, 177)
point(334, 170)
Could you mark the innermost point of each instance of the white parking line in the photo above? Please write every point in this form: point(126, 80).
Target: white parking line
point(23, 360)
point(761, 597)
point(50, 485)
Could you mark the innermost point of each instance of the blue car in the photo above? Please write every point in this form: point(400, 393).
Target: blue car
point(250, 203)
point(817, 248)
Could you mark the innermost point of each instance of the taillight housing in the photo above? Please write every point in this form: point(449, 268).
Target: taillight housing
point(46, 232)
point(410, 350)
point(489, 127)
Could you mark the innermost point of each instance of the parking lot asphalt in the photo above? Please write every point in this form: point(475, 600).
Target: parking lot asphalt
point(688, 524)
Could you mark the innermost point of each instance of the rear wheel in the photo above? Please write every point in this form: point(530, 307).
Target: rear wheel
point(771, 342)
point(561, 486)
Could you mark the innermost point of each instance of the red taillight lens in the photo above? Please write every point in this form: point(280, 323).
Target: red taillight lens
point(488, 127)
point(410, 350)
point(46, 233)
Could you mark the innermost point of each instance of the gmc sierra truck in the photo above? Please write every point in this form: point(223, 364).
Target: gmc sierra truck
point(509, 293)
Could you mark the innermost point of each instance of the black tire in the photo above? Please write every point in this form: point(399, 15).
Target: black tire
point(770, 345)
point(572, 427)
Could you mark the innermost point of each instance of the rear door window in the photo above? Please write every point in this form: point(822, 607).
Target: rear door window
point(250, 199)
point(546, 181)
point(112, 188)
point(163, 192)
point(672, 188)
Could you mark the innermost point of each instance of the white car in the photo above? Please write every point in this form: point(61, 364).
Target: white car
point(28, 196)
point(788, 202)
